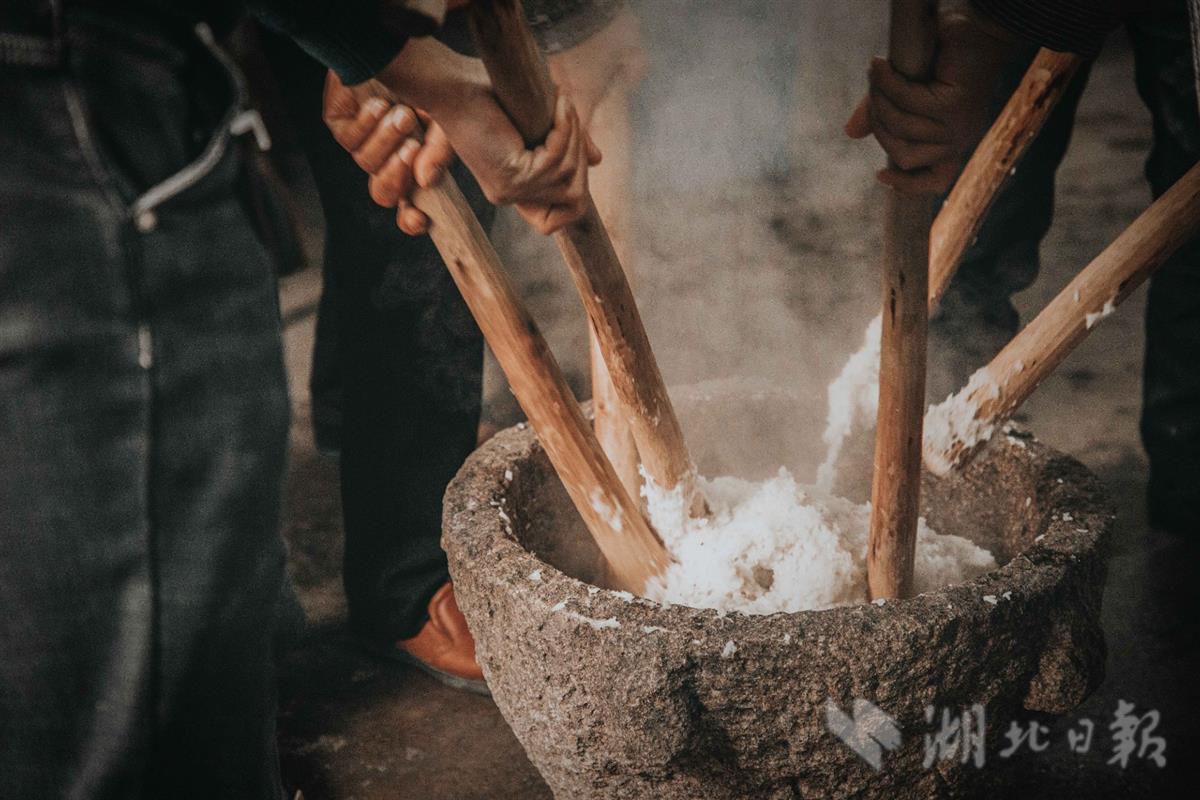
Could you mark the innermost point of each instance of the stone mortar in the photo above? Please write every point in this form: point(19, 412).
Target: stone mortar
point(614, 697)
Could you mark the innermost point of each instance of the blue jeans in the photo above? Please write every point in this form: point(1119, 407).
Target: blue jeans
point(143, 429)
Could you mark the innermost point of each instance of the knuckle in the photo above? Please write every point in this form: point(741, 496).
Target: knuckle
point(379, 193)
point(905, 158)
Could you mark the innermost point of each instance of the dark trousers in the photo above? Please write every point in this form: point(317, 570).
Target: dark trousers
point(398, 352)
point(143, 428)
point(1004, 260)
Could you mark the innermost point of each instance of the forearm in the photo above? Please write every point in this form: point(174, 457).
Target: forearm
point(427, 74)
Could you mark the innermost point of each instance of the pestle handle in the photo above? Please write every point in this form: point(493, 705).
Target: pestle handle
point(912, 38)
point(993, 162)
point(633, 550)
point(523, 87)
point(520, 78)
point(1017, 370)
point(611, 183)
point(896, 482)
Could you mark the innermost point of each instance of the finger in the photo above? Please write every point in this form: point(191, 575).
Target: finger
point(594, 156)
point(910, 156)
point(922, 182)
point(550, 154)
point(434, 158)
point(539, 216)
point(552, 174)
point(560, 216)
point(394, 181)
point(575, 158)
point(859, 124)
point(577, 191)
point(914, 127)
point(396, 126)
point(351, 132)
point(913, 97)
point(411, 220)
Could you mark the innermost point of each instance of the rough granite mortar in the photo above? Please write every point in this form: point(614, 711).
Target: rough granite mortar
point(617, 697)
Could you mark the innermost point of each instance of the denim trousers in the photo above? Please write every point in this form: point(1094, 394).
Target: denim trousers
point(1004, 260)
point(143, 429)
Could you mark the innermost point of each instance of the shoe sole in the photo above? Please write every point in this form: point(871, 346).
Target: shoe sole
point(453, 681)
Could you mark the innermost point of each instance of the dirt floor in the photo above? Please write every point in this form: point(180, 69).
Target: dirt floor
point(764, 266)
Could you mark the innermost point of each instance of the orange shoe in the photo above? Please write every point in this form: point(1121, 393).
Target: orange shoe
point(444, 647)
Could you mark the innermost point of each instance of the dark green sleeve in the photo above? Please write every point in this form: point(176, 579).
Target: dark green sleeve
point(354, 38)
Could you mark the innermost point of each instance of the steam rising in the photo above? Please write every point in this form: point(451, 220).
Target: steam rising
point(757, 222)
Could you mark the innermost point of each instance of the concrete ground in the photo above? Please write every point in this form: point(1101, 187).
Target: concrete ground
point(757, 257)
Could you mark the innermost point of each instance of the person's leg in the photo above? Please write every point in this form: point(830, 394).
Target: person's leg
point(218, 443)
point(77, 632)
point(1171, 381)
point(976, 317)
point(410, 362)
point(142, 448)
point(325, 382)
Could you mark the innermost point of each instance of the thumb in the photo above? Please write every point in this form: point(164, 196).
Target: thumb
point(338, 102)
point(544, 219)
point(859, 124)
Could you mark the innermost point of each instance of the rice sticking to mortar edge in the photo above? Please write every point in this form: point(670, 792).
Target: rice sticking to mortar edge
point(954, 426)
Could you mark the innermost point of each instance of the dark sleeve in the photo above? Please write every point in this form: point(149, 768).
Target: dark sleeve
point(354, 38)
point(1071, 26)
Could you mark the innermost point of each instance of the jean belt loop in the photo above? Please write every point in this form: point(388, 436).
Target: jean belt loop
point(238, 120)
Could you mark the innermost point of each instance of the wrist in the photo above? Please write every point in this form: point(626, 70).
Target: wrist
point(991, 31)
point(980, 46)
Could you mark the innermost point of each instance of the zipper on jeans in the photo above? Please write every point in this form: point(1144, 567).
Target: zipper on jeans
point(145, 341)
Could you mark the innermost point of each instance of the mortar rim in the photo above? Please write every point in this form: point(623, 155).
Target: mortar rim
point(480, 531)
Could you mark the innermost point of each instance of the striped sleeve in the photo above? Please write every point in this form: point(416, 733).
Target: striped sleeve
point(1072, 26)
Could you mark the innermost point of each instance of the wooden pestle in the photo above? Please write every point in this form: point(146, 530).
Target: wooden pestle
point(633, 550)
point(896, 483)
point(523, 87)
point(993, 162)
point(611, 183)
point(1171, 221)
